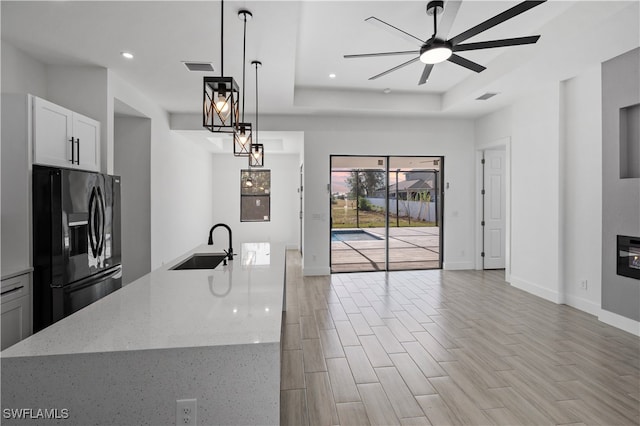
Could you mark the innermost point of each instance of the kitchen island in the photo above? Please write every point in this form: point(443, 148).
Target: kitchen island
point(208, 334)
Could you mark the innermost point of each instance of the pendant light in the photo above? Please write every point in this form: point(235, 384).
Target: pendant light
point(220, 95)
point(242, 136)
point(256, 158)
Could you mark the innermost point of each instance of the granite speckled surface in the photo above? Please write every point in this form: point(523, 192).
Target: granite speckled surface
point(233, 385)
point(212, 335)
point(240, 303)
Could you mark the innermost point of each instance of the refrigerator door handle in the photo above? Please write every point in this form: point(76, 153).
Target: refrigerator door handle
point(115, 272)
point(101, 213)
point(92, 230)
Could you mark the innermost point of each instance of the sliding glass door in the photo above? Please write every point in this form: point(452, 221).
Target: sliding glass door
point(385, 213)
point(358, 214)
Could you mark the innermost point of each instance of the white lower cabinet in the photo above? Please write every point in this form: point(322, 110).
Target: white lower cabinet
point(15, 309)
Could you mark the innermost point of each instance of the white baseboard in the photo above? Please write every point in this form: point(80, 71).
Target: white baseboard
point(457, 266)
point(582, 304)
point(618, 321)
point(535, 289)
point(615, 320)
point(316, 271)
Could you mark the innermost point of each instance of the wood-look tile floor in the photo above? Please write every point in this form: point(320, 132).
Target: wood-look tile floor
point(447, 347)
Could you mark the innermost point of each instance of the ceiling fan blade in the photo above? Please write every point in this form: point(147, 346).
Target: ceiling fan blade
point(409, 62)
point(498, 19)
point(373, 55)
point(466, 63)
point(451, 8)
point(496, 43)
point(425, 74)
point(386, 26)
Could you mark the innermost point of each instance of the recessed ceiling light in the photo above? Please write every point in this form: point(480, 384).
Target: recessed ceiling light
point(332, 75)
point(127, 55)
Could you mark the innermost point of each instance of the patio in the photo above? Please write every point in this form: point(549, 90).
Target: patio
point(409, 248)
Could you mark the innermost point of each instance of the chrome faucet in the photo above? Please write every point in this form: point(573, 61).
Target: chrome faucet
point(229, 253)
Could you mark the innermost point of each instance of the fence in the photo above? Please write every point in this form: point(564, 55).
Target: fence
point(417, 210)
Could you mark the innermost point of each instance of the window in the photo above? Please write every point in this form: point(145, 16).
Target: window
point(255, 195)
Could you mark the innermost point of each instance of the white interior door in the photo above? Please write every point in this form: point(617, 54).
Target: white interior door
point(300, 189)
point(494, 209)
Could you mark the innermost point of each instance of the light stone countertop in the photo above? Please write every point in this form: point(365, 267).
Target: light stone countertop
point(240, 303)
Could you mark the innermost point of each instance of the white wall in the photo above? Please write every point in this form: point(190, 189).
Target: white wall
point(532, 123)
point(327, 135)
point(181, 175)
point(324, 136)
point(556, 188)
point(84, 90)
point(21, 73)
point(535, 194)
point(284, 225)
point(181, 180)
point(581, 190)
point(132, 150)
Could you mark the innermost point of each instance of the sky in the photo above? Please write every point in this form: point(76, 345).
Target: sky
point(338, 181)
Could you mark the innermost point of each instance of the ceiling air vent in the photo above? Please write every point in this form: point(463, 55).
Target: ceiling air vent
point(198, 66)
point(486, 96)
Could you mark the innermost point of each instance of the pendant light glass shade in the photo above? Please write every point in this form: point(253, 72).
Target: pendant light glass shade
point(242, 140)
point(220, 112)
point(256, 159)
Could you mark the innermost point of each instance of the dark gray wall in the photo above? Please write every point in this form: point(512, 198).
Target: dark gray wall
point(620, 197)
point(131, 160)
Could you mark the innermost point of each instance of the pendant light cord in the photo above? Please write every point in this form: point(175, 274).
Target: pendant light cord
point(256, 132)
point(222, 38)
point(244, 60)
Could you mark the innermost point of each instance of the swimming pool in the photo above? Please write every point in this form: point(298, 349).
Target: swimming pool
point(352, 235)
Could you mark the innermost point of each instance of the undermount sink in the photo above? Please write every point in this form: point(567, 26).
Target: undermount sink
point(200, 261)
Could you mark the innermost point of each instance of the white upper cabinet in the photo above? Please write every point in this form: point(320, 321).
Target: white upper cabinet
point(64, 138)
point(87, 134)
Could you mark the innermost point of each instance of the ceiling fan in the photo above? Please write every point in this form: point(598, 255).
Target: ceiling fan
point(439, 49)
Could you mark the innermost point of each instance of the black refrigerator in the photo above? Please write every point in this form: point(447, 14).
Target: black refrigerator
point(76, 241)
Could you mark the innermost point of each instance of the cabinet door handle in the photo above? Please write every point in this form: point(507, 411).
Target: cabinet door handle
point(78, 143)
point(73, 158)
point(11, 290)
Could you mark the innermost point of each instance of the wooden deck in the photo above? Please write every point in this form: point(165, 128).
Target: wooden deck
point(409, 248)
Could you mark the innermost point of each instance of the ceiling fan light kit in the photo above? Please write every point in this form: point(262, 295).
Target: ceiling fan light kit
point(435, 51)
point(438, 48)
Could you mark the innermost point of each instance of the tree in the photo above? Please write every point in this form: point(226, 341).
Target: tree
point(368, 181)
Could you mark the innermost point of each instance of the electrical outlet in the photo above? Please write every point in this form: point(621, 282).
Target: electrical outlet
point(583, 284)
point(186, 412)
